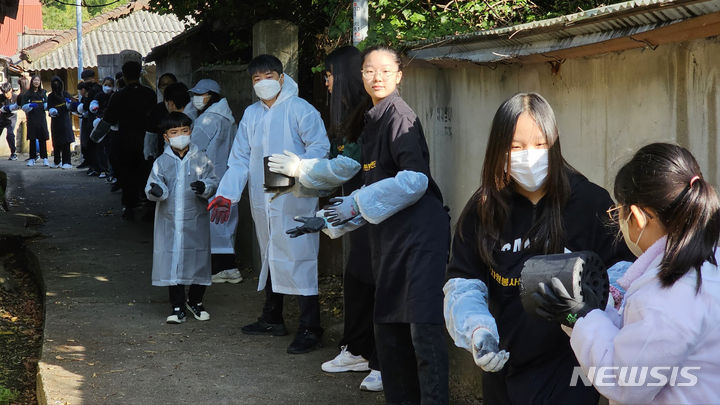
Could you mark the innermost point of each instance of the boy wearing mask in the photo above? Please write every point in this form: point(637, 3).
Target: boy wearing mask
point(280, 121)
point(181, 181)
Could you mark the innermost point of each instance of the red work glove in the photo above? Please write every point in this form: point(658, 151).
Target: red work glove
point(220, 209)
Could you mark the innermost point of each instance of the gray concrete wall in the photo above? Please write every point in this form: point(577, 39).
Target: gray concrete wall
point(607, 107)
point(278, 38)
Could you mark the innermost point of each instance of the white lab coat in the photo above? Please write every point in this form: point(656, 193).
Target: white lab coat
point(657, 326)
point(213, 133)
point(290, 124)
point(181, 236)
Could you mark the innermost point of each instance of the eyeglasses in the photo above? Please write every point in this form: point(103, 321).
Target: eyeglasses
point(614, 213)
point(368, 74)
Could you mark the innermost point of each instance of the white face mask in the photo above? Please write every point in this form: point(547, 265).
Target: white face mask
point(529, 168)
point(633, 246)
point(180, 141)
point(198, 102)
point(107, 89)
point(267, 89)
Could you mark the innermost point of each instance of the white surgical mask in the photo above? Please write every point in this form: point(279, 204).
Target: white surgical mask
point(180, 141)
point(633, 246)
point(107, 89)
point(198, 102)
point(529, 168)
point(267, 89)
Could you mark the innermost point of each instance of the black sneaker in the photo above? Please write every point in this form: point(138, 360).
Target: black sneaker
point(263, 328)
point(305, 341)
point(13, 157)
point(177, 316)
point(198, 311)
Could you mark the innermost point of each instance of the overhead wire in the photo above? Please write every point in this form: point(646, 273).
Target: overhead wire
point(84, 4)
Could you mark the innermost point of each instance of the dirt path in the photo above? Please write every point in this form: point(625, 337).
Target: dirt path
point(105, 337)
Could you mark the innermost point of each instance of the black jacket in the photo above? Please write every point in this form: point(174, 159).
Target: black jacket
point(409, 250)
point(36, 119)
point(130, 108)
point(7, 118)
point(60, 126)
point(531, 341)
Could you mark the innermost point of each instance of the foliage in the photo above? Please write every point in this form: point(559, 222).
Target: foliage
point(59, 16)
point(7, 395)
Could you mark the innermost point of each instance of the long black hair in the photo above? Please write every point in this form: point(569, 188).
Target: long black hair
point(492, 199)
point(32, 88)
point(667, 179)
point(348, 100)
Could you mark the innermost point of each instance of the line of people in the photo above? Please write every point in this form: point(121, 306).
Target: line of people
point(404, 283)
point(530, 202)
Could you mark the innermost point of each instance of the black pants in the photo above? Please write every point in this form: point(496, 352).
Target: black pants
point(358, 332)
point(309, 309)
point(34, 151)
point(130, 172)
point(414, 362)
point(101, 156)
point(61, 153)
point(87, 146)
point(177, 294)
point(222, 262)
point(10, 136)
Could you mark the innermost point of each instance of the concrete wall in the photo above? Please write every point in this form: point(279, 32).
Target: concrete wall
point(607, 107)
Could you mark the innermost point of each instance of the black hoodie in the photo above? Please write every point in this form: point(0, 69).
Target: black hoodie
point(60, 126)
point(532, 341)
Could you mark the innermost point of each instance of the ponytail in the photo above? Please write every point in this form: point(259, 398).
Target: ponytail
point(667, 179)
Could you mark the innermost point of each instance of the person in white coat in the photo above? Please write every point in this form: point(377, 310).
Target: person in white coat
point(280, 121)
point(213, 132)
point(663, 345)
point(181, 181)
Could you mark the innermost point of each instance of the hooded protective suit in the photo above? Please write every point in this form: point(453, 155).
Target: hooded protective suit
point(213, 133)
point(294, 125)
point(181, 232)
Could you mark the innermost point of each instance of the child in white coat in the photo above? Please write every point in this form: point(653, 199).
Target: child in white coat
point(181, 181)
point(663, 345)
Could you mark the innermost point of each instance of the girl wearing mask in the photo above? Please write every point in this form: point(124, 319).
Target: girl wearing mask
point(530, 202)
point(34, 102)
point(409, 232)
point(348, 103)
point(213, 132)
point(62, 133)
point(668, 321)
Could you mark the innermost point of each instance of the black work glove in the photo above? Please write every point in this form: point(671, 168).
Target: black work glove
point(309, 225)
point(198, 187)
point(155, 190)
point(556, 304)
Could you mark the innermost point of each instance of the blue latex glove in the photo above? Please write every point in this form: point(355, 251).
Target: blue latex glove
point(96, 122)
point(341, 210)
point(44, 106)
point(53, 112)
point(94, 106)
point(81, 108)
point(29, 107)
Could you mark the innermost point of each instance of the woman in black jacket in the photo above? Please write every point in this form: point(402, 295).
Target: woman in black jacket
point(33, 103)
point(60, 125)
point(530, 202)
point(409, 232)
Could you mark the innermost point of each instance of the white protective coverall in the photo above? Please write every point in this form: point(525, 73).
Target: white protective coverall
point(213, 133)
point(181, 237)
point(290, 124)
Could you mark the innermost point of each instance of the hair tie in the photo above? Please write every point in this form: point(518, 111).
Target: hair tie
point(695, 178)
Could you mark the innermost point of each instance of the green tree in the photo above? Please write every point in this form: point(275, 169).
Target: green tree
point(60, 15)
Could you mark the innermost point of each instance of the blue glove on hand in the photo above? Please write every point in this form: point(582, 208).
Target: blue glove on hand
point(53, 112)
point(94, 106)
point(29, 107)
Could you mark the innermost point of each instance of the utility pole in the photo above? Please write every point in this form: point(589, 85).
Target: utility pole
point(360, 21)
point(78, 23)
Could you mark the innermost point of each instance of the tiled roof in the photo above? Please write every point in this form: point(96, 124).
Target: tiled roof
point(127, 27)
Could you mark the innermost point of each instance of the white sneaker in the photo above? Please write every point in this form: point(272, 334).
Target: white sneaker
point(373, 382)
point(46, 162)
point(66, 166)
point(227, 276)
point(54, 166)
point(30, 162)
point(102, 175)
point(345, 361)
